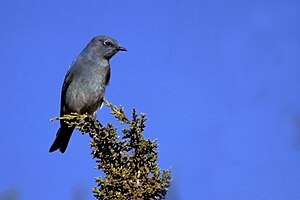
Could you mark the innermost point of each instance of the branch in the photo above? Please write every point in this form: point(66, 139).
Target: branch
point(129, 161)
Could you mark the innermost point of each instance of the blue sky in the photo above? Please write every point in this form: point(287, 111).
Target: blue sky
point(219, 81)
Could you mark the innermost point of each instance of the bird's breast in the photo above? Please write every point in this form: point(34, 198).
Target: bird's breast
point(87, 90)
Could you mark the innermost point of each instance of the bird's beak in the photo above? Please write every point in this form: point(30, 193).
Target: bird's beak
point(121, 48)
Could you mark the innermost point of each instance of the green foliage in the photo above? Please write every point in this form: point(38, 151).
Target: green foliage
point(129, 162)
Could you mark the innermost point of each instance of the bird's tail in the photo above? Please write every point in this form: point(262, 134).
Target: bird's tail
point(62, 139)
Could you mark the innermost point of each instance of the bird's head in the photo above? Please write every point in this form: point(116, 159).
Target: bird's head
point(105, 46)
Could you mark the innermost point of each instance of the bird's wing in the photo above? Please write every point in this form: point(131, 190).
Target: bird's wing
point(66, 84)
point(107, 77)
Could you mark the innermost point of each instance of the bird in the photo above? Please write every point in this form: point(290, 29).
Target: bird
point(84, 84)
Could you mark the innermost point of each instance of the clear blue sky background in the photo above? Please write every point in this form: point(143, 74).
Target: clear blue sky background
point(219, 81)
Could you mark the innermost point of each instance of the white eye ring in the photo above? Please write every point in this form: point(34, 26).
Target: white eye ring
point(107, 43)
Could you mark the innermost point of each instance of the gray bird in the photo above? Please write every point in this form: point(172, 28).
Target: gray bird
point(84, 85)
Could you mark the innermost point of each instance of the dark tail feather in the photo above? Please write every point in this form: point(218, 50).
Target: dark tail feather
point(61, 141)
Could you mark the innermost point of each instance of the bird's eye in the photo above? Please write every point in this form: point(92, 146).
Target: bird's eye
point(107, 43)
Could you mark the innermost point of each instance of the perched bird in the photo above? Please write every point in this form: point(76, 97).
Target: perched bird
point(84, 84)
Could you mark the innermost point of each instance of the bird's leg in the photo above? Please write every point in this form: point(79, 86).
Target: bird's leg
point(93, 118)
